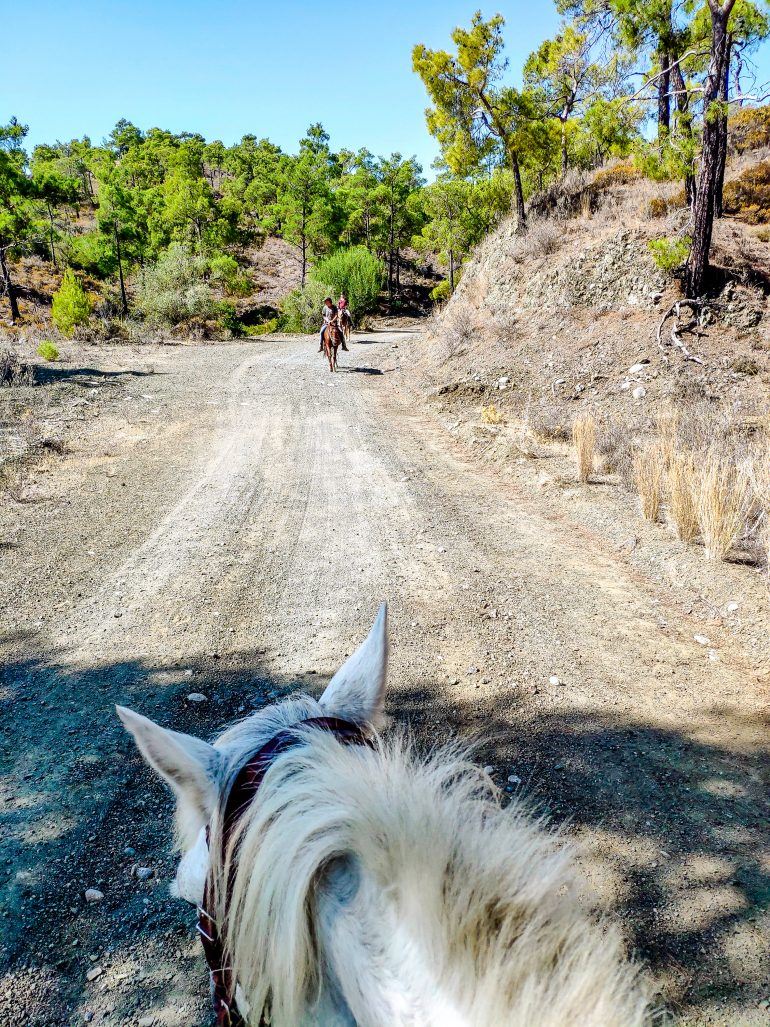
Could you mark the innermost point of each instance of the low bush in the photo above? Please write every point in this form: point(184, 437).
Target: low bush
point(227, 318)
point(491, 415)
point(174, 289)
point(584, 441)
point(355, 272)
point(225, 271)
point(301, 309)
point(442, 292)
point(266, 328)
point(670, 255)
point(657, 207)
point(748, 196)
point(617, 174)
point(71, 305)
point(749, 129)
point(48, 351)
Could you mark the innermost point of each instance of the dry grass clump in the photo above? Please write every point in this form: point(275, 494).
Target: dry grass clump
point(649, 476)
point(543, 237)
point(491, 415)
point(668, 422)
point(546, 425)
point(615, 444)
point(584, 441)
point(723, 498)
point(759, 475)
point(682, 482)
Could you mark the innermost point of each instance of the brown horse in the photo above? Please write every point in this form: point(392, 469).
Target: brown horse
point(346, 323)
point(332, 340)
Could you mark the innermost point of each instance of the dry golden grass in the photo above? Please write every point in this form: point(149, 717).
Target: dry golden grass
point(760, 485)
point(682, 479)
point(491, 415)
point(649, 475)
point(584, 441)
point(668, 432)
point(723, 497)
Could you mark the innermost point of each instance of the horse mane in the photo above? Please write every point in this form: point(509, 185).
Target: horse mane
point(453, 896)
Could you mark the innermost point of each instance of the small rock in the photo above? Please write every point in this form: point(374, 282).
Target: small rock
point(513, 779)
point(489, 770)
point(94, 972)
point(146, 1021)
point(639, 392)
point(732, 607)
point(454, 681)
point(472, 670)
point(128, 851)
point(93, 895)
point(702, 640)
point(188, 673)
point(554, 680)
point(502, 382)
point(143, 873)
point(636, 368)
point(196, 697)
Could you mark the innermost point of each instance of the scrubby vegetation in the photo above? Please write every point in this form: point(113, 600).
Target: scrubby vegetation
point(71, 306)
point(355, 272)
point(48, 351)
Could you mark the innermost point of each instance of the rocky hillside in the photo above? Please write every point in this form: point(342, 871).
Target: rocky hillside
point(569, 316)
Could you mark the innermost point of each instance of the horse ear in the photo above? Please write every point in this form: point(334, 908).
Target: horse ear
point(357, 690)
point(189, 765)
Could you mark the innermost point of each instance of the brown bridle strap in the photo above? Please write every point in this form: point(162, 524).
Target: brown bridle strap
point(242, 791)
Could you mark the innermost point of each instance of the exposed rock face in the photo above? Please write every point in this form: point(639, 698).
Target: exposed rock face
point(614, 271)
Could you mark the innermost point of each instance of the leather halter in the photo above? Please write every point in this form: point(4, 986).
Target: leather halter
point(241, 794)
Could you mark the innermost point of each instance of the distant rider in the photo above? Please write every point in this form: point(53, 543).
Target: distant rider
point(330, 315)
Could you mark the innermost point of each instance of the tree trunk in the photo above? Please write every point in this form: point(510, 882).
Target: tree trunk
point(123, 296)
point(724, 95)
point(664, 99)
point(9, 286)
point(50, 234)
point(703, 217)
point(518, 193)
point(451, 270)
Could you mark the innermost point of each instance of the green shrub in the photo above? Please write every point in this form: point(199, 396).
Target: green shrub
point(357, 273)
point(89, 253)
point(71, 304)
point(301, 309)
point(47, 351)
point(174, 288)
point(266, 328)
point(670, 254)
point(442, 292)
point(226, 272)
point(227, 317)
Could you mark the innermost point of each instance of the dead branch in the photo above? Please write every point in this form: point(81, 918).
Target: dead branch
point(699, 311)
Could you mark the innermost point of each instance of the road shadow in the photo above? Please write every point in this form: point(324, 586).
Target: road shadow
point(683, 824)
point(361, 370)
point(51, 374)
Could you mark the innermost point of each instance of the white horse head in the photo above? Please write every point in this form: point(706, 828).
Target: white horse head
point(372, 887)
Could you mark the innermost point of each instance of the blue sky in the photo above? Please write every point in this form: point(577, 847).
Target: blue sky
point(227, 68)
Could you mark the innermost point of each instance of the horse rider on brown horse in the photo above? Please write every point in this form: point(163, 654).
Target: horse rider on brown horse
point(331, 315)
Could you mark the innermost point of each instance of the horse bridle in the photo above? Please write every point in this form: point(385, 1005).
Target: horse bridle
point(242, 791)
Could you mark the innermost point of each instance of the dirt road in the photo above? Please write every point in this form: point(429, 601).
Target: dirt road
point(225, 524)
